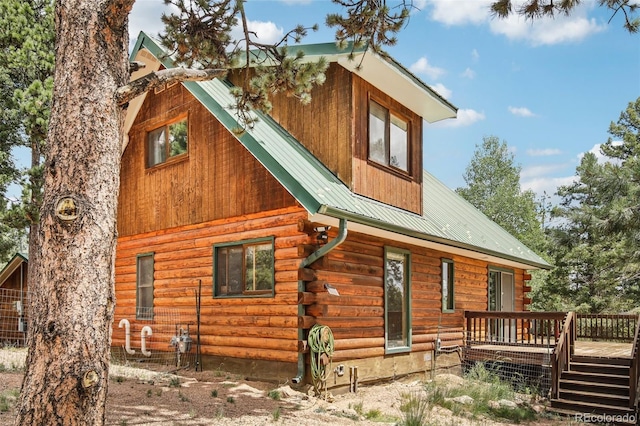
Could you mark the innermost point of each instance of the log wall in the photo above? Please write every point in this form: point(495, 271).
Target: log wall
point(259, 328)
point(356, 317)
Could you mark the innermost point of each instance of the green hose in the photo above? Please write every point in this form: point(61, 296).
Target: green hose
point(320, 341)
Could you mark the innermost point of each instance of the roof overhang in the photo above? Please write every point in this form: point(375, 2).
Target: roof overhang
point(332, 217)
point(390, 77)
point(381, 71)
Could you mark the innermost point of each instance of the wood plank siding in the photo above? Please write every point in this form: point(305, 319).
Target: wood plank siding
point(334, 127)
point(218, 178)
point(372, 180)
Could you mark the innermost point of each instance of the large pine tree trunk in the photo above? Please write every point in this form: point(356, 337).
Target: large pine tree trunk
point(73, 276)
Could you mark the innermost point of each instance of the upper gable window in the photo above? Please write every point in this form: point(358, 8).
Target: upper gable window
point(167, 142)
point(388, 137)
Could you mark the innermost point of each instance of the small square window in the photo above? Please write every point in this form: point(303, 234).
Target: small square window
point(244, 268)
point(167, 142)
point(388, 138)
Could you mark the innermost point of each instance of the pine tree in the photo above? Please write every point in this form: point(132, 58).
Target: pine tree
point(72, 281)
point(596, 242)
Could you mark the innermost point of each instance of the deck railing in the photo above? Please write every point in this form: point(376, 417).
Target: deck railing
point(634, 372)
point(526, 328)
point(564, 349)
point(618, 327)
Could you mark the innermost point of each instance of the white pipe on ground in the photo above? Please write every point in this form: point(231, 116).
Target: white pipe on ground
point(127, 335)
point(146, 331)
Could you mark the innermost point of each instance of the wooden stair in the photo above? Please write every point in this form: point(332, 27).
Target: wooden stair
point(597, 386)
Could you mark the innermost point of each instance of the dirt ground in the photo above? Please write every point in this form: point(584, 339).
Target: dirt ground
point(143, 397)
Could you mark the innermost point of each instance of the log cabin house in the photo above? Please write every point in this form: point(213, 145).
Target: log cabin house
point(319, 214)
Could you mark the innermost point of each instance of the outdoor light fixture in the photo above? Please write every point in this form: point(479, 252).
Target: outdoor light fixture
point(331, 289)
point(322, 233)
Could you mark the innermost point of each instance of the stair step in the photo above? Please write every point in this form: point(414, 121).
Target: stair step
point(595, 387)
point(611, 369)
point(627, 418)
point(600, 360)
point(590, 408)
point(583, 376)
point(595, 398)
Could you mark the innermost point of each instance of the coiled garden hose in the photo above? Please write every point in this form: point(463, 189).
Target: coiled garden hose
point(321, 347)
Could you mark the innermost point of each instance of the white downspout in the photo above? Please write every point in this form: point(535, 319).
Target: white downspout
point(127, 335)
point(146, 331)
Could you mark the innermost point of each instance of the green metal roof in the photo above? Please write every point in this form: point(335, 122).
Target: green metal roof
point(447, 218)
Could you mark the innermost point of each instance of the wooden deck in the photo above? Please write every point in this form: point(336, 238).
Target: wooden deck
point(538, 355)
point(603, 349)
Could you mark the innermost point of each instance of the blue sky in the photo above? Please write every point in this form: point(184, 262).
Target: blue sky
point(549, 89)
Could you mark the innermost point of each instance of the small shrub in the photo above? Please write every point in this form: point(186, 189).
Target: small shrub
point(214, 393)
point(149, 393)
point(4, 404)
point(276, 414)
point(159, 392)
point(357, 407)
point(231, 400)
point(275, 395)
point(174, 382)
point(414, 410)
point(373, 414)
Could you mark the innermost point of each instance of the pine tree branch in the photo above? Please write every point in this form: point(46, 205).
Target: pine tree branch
point(159, 78)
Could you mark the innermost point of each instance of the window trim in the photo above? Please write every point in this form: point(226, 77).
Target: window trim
point(139, 315)
point(407, 174)
point(165, 124)
point(243, 243)
point(450, 285)
point(407, 302)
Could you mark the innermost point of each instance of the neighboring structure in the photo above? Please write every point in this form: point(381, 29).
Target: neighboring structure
point(320, 214)
point(14, 284)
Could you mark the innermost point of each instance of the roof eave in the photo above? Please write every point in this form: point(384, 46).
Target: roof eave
point(397, 229)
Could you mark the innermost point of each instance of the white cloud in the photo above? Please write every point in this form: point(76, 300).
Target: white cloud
point(544, 31)
point(460, 12)
point(546, 152)
point(145, 16)
point(596, 151)
point(543, 184)
point(521, 111)
point(265, 31)
point(422, 66)
point(542, 170)
point(420, 4)
point(442, 90)
point(547, 30)
point(475, 55)
point(469, 73)
point(466, 117)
